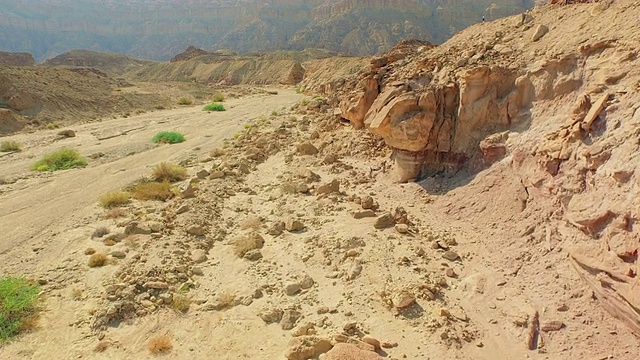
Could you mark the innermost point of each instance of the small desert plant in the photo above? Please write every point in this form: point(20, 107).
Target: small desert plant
point(214, 107)
point(101, 346)
point(115, 213)
point(100, 232)
point(60, 160)
point(97, 259)
point(185, 101)
point(225, 300)
point(18, 306)
point(152, 191)
point(51, 126)
point(274, 113)
point(180, 303)
point(304, 102)
point(159, 344)
point(217, 97)
point(114, 198)
point(247, 243)
point(217, 152)
point(169, 172)
point(10, 146)
point(168, 137)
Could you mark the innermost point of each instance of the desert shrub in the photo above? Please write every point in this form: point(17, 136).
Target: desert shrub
point(217, 152)
point(115, 213)
point(60, 160)
point(51, 126)
point(245, 244)
point(97, 260)
point(214, 107)
point(101, 346)
point(159, 344)
point(217, 97)
point(114, 198)
point(169, 172)
point(274, 113)
point(10, 146)
point(152, 191)
point(180, 303)
point(18, 306)
point(185, 101)
point(100, 232)
point(168, 137)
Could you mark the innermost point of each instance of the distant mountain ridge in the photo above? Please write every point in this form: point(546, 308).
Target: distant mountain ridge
point(159, 29)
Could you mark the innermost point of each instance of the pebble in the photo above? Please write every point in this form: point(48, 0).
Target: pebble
point(402, 228)
point(292, 288)
point(195, 230)
point(198, 256)
point(450, 255)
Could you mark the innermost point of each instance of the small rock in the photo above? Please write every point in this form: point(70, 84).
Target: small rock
point(133, 228)
point(402, 299)
point(306, 282)
point(257, 294)
point(342, 351)
point(196, 270)
point(332, 187)
point(293, 225)
point(156, 226)
point(182, 209)
point(367, 202)
point(292, 288)
point(307, 149)
point(158, 285)
point(384, 221)
point(363, 214)
point(350, 327)
point(198, 256)
point(479, 344)
point(540, 31)
point(306, 329)
point(388, 344)
point(187, 190)
point(218, 174)
point(322, 310)
point(372, 341)
point(202, 174)
point(276, 228)
point(253, 255)
point(451, 255)
point(270, 316)
point(402, 228)
point(451, 273)
point(289, 319)
point(563, 308)
point(118, 254)
point(196, 230)
point(307, 347)
point(67, 133)
point(554, 325)
point(329, 159)
point(354, 270)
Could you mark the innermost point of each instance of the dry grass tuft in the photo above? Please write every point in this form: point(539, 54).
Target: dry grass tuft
point(101, 346)
point(113, 199)
point(10, 146)
point(131, 241)
point(115, 213)
point(247, 243)
point(169, 172)
point(226, 300)
point(77, 294)
point(180, 303)
point(251, 222)
point(100, 232)
point(217, 152)
point(159, 344)
point(153, 191)
point(97, 259)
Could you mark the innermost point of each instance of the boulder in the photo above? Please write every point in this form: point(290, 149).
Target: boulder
point(345, 351)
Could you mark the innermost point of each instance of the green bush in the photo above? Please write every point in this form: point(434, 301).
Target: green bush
point(18, 306)
point(217, 97)
point(214, 107)
point(10, 146)
point(60, 160)
point(185, 101)
point(168, 137)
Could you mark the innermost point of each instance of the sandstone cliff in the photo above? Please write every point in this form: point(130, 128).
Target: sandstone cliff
point(546, 105)
point(107, 62)
point(159, 29)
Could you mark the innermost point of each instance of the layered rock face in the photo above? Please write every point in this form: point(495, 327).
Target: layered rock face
point(157, 30)
point(16, 59)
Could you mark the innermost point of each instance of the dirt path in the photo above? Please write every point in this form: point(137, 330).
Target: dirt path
point(38, 206)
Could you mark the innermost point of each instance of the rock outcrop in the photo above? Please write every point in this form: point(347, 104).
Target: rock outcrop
point(16, 59)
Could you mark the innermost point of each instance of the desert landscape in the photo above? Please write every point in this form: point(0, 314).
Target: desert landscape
point(475, 199)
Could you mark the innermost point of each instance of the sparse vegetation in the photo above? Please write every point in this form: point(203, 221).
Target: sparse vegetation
point(131, 241)
point(304, 102)
point(115, 213)
point(169, 172)
point(245, 244)
point(51, 126)
point(18, 306)
point(274, 113)
point(60, 160)
point(225, 300)
point(185, 101)
point(214, 107)
point(153, 191)
point(98, 259)
point(159, 344)
point(168, 137)
point(115, 198)
point(10, 146)
point(180, 303)
point(217, 152)
point(100, 232)
point(217, 97)
point(101, 346)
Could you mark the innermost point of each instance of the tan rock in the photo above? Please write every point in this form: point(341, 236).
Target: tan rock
point(384, 221)
point(345, 351)
point(307, 347)
point(332, 187)
point(540, 31)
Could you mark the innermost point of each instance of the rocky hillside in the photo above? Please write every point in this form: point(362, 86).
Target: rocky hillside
point(159, 29)
point(107, 62)
point(531, 135)
point(16, 59)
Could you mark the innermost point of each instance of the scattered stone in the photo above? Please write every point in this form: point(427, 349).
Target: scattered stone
point(384, 221)
point(198, 256)
point(293, 225)
point(89, 251)
point(402, 299)
point(563, 308)
point(540, 31)
point(196, 230)
point(292, 288)
point(182, 209)
point(367, 202)
point(202, 174)
point(402, 228)
point(388, 344)
point(554, 325)
point(354, 270)
point(289, 319)
point(196, 270)
point(372, 341)
point(67, 133)
point(118, 254)
point(307, 149)
point(253, 255)
point(306, 282)
point(329, 159)
point(218, 174)
point(307, 347)
point(257, 294)
point(187, 190)
point(322, 310)
point(451, 273)
point(134, 228)
point(350, 327)
point(156, 226)
point(271, 316)
point(332, 187)
point(276, 228)
point(363, 214)
point(158, 285)
point(306, 329)
point(343, 351)
point(451, 255)
point(479, 344)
